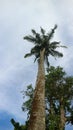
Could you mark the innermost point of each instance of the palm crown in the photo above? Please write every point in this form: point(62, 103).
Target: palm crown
point(43, 41)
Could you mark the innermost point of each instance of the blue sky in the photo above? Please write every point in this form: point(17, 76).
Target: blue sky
point(17, 18)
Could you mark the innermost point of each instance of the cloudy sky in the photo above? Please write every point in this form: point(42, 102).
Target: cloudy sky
point(17, 18)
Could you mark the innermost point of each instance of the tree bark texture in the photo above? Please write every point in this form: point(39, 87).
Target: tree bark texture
point(62, 116)
point(37, 117)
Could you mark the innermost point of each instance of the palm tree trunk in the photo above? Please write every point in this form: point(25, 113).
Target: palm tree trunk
point(37, 117)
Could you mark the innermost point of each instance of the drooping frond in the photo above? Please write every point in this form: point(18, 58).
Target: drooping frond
point(63, 46)
point(37, 57)
point(56, 53)
point(46, 60)
point(30, 38)
point(55, 43)
point(28, 55)
point(35, 40)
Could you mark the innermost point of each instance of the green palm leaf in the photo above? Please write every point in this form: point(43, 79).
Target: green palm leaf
point(42, 41)
point(47, 62)
point(28, 54)
point(55, 43)
point(63, 46)
point(33, 31)
point(37, 57)
point(30, 38)
point(42, 31)
point(56, 53)
point(50, 35)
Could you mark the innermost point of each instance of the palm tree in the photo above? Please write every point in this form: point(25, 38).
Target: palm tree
point(43, 47)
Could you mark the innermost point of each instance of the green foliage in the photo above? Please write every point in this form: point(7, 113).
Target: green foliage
point(27, 105)
point(57, 85)
point(52, 122)
point(17, 126)
point(43, 41)
point(42, 31)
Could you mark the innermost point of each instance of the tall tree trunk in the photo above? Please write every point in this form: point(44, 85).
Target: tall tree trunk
point(52, 125)
point(62, 116)
point(37, 117)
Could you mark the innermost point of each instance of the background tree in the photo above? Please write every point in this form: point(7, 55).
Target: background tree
point(17, 125)
point(43, 47)
point(59, 96)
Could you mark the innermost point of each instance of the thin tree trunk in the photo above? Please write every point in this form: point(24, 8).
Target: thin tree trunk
point(62, 116)
point(37, 117)
point(51, 107)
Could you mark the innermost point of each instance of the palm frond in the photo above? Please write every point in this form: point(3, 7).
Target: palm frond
point(33, 31)
point(56, 53)
point(50, 35)
point(50, 53)
point(30, 38)
point(38, 39)
point(37, 57)
point(55, 27)
point(42, 31)
point(28, 55)
point(47, 62)
point(55, 43)
point(38, 36)
point(36, 49)
point(63, 46)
